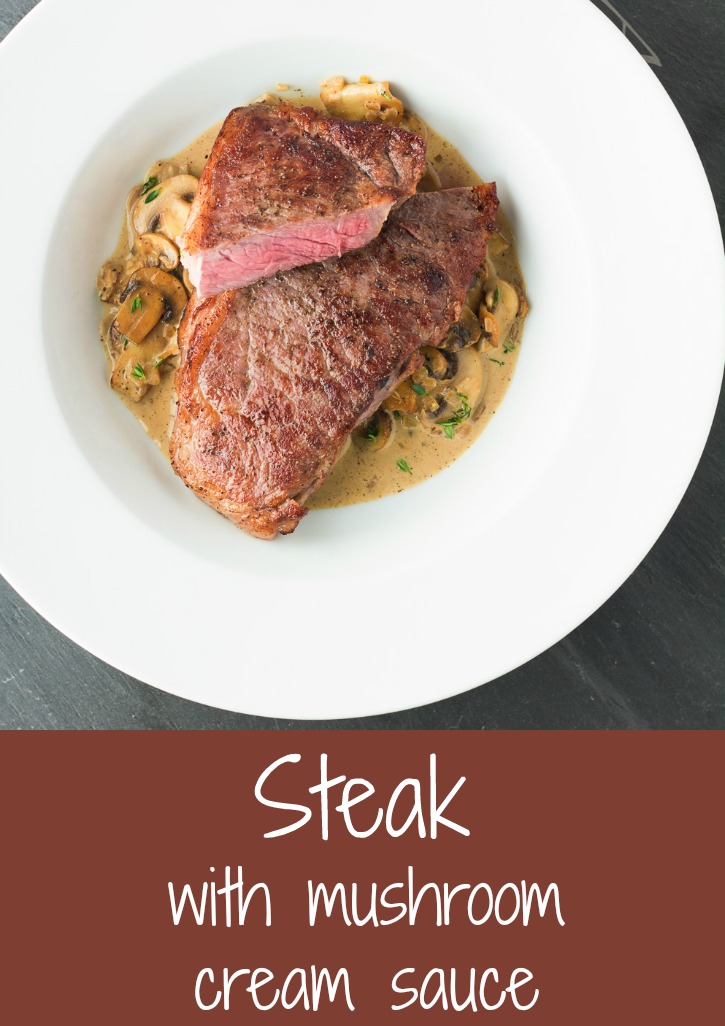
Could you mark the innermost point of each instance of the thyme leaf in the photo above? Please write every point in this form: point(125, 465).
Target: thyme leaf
point(457, 417)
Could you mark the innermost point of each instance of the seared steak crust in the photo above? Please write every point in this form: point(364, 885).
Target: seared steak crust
point(285, 186)
point(275, 376)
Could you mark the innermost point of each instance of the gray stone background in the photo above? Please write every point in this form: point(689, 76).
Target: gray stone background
point(651, 657)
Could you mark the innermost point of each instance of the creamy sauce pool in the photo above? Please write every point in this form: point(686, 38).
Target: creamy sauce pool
point(361, 475)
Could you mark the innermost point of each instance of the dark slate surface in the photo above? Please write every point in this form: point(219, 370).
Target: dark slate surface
point(651, 657)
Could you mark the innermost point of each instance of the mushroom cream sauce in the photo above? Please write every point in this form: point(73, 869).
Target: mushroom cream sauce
point(362, 474)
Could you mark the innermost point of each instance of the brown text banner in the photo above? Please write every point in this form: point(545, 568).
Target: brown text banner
point(405, 877)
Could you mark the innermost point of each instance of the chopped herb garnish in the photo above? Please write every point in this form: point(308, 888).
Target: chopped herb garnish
point(387, 95)
point(148, 184)
point(501, 363)
point(137, 304)
point(161, 360)
point(152, 195)
point(496, 296)
point(397, 414)
point(402, 465)
point(509, 346)
point(457, 417)
point(418, 389)
point(126, 340)
point(138, 371)
point(373, 434)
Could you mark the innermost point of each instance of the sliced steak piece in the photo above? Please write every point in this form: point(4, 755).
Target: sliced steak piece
point(285, 186)
point(274, 377)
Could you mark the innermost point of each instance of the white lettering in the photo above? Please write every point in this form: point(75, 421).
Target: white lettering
point(534, 889)
point(197, 991)
point(306, 813)
point(323, 787)
point(514, 986)
point(436, 810)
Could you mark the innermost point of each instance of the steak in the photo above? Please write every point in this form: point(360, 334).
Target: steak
point(275, 376)
point(285, 186)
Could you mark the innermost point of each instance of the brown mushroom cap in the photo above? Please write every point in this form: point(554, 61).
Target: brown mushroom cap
point(140, 311)
point(168, 285)
point(143, 334)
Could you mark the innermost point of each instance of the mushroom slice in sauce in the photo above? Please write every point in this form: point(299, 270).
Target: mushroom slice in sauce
point(157, 250)
point(142, 335)
point(377, 432)
point(460, 395)
point(465, 332)
point(361, 101)
point(502, 304)
point(140, 311)
point(165, 207)
point(439, 365)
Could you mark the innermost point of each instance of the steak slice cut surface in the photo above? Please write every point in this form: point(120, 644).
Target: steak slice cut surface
point(285, 186)
point(274, 377)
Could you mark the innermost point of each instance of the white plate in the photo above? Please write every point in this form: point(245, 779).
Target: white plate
point(396, 603)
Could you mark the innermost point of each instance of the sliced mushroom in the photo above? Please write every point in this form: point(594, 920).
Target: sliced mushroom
point(460, 396)
point(377, 432)
point(490, 335)
point(165, 207)
point(470, 378)
point(169, 302)
point(157, 251)
point(108, 281)
point(501, 305)
point(141, 310)
point(142, 337)
point(137, 369)
point(465, 332)
point(270, 98)
point(361, 101)
point(439, 365)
